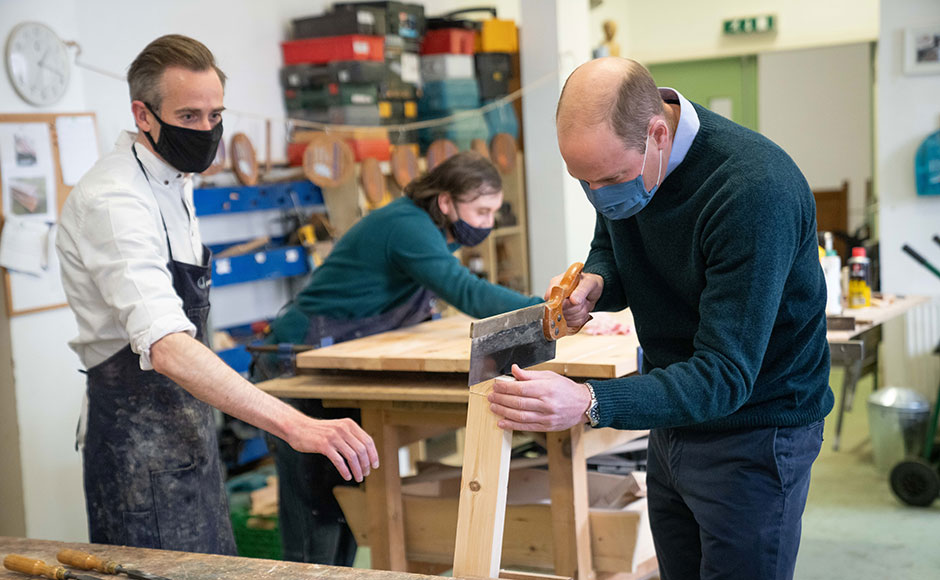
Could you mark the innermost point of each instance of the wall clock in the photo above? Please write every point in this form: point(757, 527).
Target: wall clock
point(38, 63)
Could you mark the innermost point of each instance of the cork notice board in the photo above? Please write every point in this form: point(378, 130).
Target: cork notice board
point(41, 156)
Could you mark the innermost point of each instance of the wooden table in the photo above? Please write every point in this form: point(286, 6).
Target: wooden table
point(856, 348)
point(186, 565)
point(421, 389)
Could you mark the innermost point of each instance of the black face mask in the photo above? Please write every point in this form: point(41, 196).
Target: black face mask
point(467, 235)
point(188, 150)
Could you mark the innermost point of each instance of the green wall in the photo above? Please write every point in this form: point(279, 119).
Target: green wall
point(703, 80)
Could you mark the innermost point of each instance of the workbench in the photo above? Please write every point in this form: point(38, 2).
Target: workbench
point(412, 383)
point(856, 348)
point(186, 565)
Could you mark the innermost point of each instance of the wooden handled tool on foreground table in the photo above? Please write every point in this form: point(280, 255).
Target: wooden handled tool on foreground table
point(86, 561)
point(34, 567)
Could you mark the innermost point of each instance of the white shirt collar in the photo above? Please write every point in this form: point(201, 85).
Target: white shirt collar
point(686, 130)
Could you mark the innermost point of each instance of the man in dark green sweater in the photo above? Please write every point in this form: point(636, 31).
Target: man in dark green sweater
point(707, 231)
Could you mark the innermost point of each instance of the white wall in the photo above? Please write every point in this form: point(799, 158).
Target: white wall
point(48, 388)
point(908, 109)
point(691, 29)
point(816, 104)
point(553, 41)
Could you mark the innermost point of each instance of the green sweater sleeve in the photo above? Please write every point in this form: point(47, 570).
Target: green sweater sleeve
point(421, 252)
point(601, 261)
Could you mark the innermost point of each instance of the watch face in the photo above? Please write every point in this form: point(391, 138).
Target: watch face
point(38, 63)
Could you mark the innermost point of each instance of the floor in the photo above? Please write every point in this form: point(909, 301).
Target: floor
point(853, 526)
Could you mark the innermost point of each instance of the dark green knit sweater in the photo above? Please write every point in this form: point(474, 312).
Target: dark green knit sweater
point(722, 274)
point(381, 262)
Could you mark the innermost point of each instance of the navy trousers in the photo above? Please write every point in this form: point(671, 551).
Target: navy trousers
point(729, 504)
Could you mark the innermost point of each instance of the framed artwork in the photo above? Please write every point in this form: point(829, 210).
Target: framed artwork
point(922, 50)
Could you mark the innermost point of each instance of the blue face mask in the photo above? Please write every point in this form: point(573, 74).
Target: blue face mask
point(622, 200)
point(467, 235)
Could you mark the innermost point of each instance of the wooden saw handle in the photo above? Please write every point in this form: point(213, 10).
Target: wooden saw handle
point(554, 325)
point(33, 567)
point(86, 561)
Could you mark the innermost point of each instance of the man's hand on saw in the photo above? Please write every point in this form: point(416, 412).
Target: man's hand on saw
point(577, 308)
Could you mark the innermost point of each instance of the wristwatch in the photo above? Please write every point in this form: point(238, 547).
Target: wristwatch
point(593, 412)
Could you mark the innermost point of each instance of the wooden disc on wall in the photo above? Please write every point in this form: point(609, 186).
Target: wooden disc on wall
point(404, 165)
point(503, 152)
point(244, 162)
point(479, 145)
point(439, 152)
point(328, 160)
point(218, 164)
point(373, 181)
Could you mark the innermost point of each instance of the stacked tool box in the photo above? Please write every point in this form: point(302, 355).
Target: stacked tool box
point(398, 91)
point(495, 60)
point(355, 65)
point(450, 84)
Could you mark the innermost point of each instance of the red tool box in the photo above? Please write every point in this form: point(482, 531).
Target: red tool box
point(331, 48)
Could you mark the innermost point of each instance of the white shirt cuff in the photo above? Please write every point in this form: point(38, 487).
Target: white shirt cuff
point(161, 327)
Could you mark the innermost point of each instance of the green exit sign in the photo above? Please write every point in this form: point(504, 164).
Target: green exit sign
point(750, 25)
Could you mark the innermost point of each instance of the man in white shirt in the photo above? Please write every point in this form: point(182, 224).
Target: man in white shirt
point(137, 278)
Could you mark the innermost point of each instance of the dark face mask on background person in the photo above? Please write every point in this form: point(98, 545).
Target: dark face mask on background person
point(188, 150)
point(467, 235)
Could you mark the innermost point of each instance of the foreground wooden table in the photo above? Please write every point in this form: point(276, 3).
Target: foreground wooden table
point(421, 390)
point(186, 565)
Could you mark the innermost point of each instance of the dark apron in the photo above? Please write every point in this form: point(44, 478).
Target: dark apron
point(312, 526)
point(152, 473)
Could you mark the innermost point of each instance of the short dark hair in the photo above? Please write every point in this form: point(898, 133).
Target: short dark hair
point(465, 176)
point(637, 102)
point(145, 73)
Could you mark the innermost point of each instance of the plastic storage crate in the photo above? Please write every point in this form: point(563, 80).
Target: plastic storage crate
point(350, 20)
point(449, 95)
point(330, 48)
point(461, 131)
point(502, 119)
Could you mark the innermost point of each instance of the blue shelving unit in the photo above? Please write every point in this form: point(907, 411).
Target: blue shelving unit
point(242, 198)
point(265, 265)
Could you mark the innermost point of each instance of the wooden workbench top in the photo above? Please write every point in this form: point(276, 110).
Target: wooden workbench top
point(443, 346)
point(188, 566)
point(881, 312)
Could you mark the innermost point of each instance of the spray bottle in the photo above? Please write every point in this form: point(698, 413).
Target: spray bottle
point(859, 279)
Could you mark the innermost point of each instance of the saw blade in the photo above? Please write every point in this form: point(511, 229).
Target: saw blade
point(499, 342)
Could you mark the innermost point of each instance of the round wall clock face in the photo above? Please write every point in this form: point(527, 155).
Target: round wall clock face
point(38, 63)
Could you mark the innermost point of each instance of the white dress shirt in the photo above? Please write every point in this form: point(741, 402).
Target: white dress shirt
point(113, 252)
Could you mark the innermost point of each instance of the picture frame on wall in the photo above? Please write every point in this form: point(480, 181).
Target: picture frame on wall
point(922, 50)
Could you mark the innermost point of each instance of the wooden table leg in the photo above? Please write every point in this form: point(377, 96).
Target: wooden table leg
point(383, 496)
point(483, 486)
point(571, 532)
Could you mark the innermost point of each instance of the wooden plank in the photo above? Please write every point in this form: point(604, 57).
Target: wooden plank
point(482, 505)
point(568, 486)
point(443, 346)
point(189, 566)
point(383, 494)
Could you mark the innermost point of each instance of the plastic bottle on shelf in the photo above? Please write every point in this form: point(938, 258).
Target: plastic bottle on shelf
point(859, 279)
point(832, 268)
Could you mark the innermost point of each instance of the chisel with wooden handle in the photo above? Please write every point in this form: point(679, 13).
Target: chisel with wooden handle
point(34, 567)
point(86, 561)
